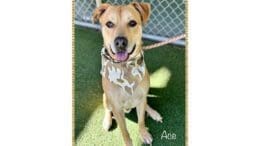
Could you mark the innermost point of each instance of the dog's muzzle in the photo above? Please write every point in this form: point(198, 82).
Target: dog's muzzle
point(121, 53)
point(120, 44)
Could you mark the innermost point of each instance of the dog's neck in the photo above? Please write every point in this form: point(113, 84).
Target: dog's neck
point(126, 74)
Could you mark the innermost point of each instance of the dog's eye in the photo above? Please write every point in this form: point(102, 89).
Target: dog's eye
point(109, 24)
point(132, 23)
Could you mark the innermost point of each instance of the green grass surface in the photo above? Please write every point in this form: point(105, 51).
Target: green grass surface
point(167, 69)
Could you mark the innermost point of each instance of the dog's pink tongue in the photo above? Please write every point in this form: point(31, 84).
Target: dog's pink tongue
point(121, 56)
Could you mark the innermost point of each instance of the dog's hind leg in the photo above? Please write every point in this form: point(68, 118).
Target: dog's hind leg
point(107, 122)
point(153, 114)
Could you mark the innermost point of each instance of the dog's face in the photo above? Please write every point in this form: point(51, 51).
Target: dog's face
point(122, 28)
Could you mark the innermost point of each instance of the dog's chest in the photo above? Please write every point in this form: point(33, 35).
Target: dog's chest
point(125, 83)
point(125, 76)
point(130, 101)
point(126, 99)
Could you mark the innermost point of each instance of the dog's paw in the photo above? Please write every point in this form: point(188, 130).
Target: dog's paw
point(155, 116)
point(146, 137)
point(107, 122)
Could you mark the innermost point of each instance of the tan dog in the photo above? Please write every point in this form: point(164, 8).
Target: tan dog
point(125, 78)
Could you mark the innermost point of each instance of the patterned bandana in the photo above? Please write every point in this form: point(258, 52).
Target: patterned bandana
point(126, 75)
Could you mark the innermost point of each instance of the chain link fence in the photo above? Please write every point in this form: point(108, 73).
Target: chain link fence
point(166, 20)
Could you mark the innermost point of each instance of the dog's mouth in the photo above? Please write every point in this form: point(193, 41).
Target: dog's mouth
point(121, 56)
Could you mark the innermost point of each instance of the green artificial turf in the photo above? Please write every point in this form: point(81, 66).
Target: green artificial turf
point(167, 69)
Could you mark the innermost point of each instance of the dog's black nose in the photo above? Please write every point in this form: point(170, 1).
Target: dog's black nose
point(120, 43)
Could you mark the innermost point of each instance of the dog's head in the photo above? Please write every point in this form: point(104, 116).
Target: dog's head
point(122, 28)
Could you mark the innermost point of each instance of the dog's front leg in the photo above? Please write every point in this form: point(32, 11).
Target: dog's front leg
point(120, 119)
point(145, 135)
point(107, 122)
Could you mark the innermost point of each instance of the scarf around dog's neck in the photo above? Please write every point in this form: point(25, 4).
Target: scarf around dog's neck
point(127, 74)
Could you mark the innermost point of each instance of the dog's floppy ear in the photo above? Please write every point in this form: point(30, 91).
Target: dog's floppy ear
point(97, 13)
point(144, 9)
